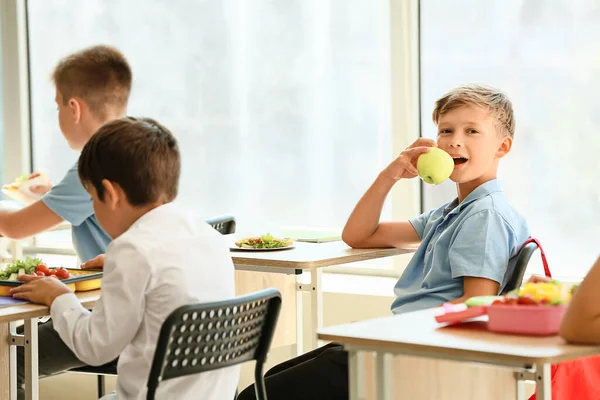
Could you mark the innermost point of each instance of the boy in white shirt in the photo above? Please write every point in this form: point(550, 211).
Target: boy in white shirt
point(159, 260)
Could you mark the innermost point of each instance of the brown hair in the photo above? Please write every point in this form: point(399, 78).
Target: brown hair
point(483, 96)
point(99, 75)
point(140, 155)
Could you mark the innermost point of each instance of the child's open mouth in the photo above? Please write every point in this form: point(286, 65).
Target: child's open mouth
point(459, 160)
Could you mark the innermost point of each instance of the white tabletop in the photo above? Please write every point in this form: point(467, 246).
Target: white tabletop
point(308, 255)
point(418, 333)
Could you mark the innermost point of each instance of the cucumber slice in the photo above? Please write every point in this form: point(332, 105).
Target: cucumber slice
point(482, 300)
point(21, 272)
point(13, 277)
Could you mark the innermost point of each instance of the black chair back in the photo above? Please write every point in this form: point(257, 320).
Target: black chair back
point(203, 337)
point(521, 266)
point(225, 224)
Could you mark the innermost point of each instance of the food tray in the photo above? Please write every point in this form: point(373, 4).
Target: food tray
point(525, 320)
point(81, 280)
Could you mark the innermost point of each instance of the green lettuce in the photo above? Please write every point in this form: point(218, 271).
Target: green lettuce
point(29, 265)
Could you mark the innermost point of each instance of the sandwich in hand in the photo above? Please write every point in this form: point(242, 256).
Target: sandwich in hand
point(20, 189)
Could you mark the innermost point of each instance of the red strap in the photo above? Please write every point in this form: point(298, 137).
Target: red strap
point(544, 261)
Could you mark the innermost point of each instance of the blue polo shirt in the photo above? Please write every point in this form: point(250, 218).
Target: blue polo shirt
point(69, 200)
point(479, 237)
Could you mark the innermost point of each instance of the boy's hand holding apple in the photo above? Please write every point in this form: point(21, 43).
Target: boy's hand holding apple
point(405, 166)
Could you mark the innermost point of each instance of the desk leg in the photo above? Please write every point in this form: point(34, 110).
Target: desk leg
point(543, 388)
point(31, 360)
point(13, 362)
point(316, 308)
point(356, 375)
point(520, 389)
point(5, 362)
point(383, 375)
point(520, 378)
point(316, 304)
point(299, 317)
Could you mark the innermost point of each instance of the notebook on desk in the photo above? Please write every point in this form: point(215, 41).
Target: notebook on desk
point(311, 234)
point(9, 301)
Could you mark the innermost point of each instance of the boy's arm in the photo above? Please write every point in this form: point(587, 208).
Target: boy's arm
point(100, 336)
point(363, 229)
point(27, 221)
point(581, 323)
point(477, 287)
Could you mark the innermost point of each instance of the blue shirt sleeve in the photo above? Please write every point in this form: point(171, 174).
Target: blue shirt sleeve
point(420, 222)
point(482, 247)
point(69, 199)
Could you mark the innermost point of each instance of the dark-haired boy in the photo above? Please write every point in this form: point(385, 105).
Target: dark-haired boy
point(159, 260)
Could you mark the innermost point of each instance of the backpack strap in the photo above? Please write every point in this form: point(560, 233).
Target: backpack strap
point(544, 260)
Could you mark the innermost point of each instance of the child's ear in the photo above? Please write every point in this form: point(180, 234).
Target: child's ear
point(75, 107)
point(505, 146)
point(111, 194)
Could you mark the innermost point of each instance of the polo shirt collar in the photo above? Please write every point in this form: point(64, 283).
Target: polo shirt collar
point(481, 191)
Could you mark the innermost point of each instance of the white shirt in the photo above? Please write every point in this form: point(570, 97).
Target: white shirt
point(163, 261)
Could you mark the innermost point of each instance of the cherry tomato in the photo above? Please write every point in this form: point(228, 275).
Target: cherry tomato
point(498, 303)
point(62, 273)
point(42, 268)
point(510, 301)
point(40, 273)
point(527, 301)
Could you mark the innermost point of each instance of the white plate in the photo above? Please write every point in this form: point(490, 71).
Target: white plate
point(235, 248)
point(21, 197)
point(23, 194)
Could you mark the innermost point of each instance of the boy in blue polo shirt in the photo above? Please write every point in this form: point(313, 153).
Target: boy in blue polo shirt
point(92, 88)
point(466, 248)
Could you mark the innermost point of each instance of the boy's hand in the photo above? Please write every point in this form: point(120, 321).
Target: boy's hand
point(96, 262)
point(39, 289)
point(405, 166)
point(40, 190)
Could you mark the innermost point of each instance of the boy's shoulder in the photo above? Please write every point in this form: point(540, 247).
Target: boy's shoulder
point(486, 201)
point(69, 199)
point(488, 206)
point(69, 181)
point(496, 202)
point(167, 224)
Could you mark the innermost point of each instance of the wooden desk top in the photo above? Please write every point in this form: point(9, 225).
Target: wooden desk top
point(418, 334)
point(308, 255)
point(27, 310)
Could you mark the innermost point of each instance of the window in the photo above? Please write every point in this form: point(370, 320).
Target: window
point(281, 108)
point(544, 55)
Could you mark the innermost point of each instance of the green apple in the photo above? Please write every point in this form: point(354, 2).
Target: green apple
point(435, 166)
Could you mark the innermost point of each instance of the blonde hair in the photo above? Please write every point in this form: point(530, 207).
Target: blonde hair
point(482, 96)
point(99, 75)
